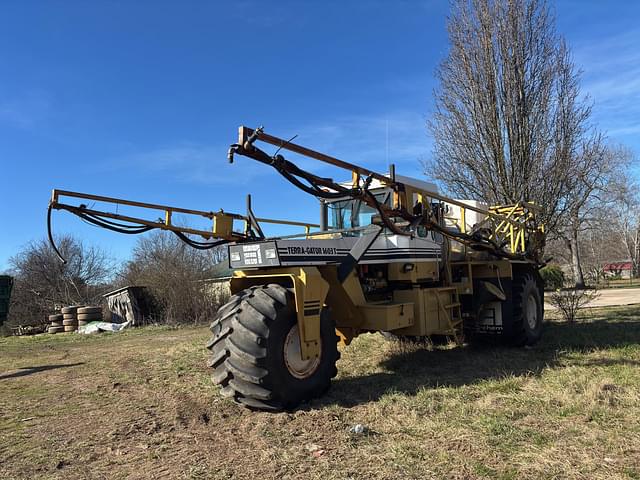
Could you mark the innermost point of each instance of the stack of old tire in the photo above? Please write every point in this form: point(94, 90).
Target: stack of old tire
point(89, 314)
point(55, 323)
point(70, 319)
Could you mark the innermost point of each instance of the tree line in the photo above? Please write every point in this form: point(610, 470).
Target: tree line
point(172, 272)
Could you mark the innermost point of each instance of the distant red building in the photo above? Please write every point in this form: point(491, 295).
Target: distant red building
point(621, 269)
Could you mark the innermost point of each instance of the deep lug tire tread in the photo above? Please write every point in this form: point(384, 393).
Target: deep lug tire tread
point(244, 367)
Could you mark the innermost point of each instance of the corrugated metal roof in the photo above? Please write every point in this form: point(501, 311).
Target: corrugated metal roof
point(617, 266)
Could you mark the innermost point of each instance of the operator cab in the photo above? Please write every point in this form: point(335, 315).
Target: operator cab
point(348, 213)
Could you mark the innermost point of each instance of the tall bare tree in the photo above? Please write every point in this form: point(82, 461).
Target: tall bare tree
point(626, 220)
point(597, 180)
point(174, 274)
point(603, 222)
point(509, 122)
point(43, 282)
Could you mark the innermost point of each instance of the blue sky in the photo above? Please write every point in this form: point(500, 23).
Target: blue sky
point(141, 99)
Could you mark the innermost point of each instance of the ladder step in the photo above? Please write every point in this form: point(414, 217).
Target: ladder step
point(453, 305)
point(446, 289)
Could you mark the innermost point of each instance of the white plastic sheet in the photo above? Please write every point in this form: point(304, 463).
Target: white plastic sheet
point(97, 327)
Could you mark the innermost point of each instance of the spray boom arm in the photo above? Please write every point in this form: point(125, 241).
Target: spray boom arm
point(512, 225)
point(221, 230)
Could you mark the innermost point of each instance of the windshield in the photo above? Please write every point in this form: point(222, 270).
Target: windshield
point(352, 213)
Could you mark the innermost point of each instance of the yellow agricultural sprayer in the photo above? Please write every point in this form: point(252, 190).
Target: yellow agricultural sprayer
point(389, 254)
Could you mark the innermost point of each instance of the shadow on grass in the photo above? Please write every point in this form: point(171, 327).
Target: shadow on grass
point(24, 371)
point(407, 372)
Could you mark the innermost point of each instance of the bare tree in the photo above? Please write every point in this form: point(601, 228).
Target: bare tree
point(626, 220)
point(42, 282)
point(509, 122)
point(599, 246)
point(174, 274)
point(595, 185)
point(602, 225)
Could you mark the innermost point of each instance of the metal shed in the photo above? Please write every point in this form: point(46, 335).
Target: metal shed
point(128, 304)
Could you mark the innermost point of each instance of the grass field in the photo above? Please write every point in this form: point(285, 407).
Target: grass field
point(622, 283)
point(140, 405)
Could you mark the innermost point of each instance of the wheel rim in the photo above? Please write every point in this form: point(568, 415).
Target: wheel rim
point(532, 311)
point(298, 367)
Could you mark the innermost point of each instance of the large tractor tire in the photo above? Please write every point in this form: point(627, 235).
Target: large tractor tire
point(255, 351)
point(524, 328)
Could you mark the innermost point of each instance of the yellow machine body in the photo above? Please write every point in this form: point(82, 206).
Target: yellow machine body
point(425, 300)
point(393, 255)
point(418, 310)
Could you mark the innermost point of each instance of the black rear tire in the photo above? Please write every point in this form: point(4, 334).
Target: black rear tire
point(527, 310)
point(250, 334)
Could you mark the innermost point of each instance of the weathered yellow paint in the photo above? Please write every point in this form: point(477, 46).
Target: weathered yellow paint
point(387, 316)
point(222, 225)
point(343, 300)
point(421, 271)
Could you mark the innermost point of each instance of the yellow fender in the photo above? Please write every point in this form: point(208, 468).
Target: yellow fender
point(309, 290)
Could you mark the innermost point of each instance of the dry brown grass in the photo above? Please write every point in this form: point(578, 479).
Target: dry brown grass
point(140, 405)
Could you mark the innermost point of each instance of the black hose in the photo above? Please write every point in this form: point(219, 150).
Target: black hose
point(294, 174)
point(50, 235)
point(116, 224)
point(198, 245)
point(118, 227)
point(128, 230)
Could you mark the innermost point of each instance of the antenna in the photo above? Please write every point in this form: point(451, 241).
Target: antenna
point(387, 145)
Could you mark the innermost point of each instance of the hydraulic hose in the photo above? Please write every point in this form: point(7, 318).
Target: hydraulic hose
point(326, 188)
point(118, 227)
point(50, 235)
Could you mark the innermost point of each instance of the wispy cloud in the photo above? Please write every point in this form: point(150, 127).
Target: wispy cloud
point(370, 140)
point(612, 79)
point(188, 163)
